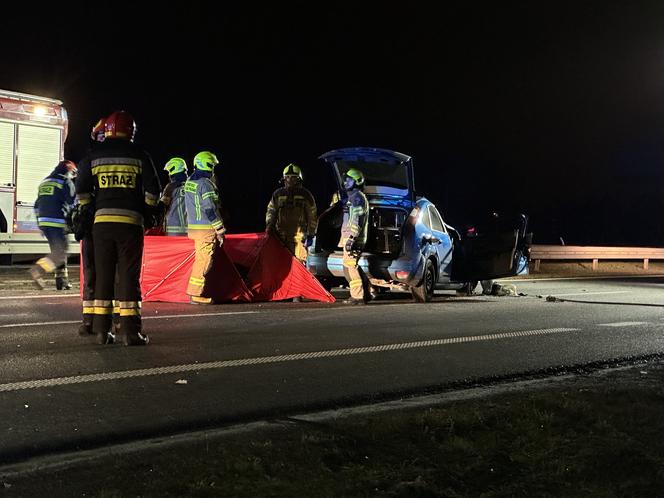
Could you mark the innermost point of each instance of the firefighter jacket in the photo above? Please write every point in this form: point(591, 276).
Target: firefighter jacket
point(202, 203)
point(121, 177)
point(175, 220)
point(356, 218)
point(55, 199)
point(291, 211)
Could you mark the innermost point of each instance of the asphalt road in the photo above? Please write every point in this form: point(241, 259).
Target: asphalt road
point(213, 365)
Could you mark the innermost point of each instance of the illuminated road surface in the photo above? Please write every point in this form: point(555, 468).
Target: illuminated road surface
point(214, 365)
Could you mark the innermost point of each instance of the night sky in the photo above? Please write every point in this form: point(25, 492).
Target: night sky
point(550, 108)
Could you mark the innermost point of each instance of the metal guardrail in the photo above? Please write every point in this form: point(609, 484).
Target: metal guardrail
point(594, 253)
point(31, 243)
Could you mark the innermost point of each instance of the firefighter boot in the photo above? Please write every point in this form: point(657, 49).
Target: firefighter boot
point(62, 283)
point(105, 338)
point(136, 339)
point(36, 273)
point(200, 300)
point(85, 329)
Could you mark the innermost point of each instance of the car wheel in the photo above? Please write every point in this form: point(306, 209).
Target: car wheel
point(423, 293)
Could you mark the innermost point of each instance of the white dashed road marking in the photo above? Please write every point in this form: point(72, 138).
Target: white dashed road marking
point(128, 374)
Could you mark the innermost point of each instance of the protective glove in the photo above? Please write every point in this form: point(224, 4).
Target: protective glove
point(81, 220)
point(350, 242)
point(152, 216)
point(220, 236)
point(308, 242)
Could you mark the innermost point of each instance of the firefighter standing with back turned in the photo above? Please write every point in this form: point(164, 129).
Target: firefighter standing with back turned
point(354, 236)
point(55, 199)
point(204, 224)
point(291, 214)
point(82, 222)
point(172, 199)
point(122, 178)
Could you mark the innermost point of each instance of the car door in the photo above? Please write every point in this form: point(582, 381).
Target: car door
point(493, 250)
point(442, 242)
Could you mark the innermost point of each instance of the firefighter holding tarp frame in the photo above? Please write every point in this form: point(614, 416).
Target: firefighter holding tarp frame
point(204, 223)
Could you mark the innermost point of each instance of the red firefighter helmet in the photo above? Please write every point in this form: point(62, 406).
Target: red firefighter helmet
point(98, 131)
point(67, 168)
point(70, 165)
point(120, 124)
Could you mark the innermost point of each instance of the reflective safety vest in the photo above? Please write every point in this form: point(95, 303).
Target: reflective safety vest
point(202, 203)
point(55, 197)
point(356, 218)
point(175, 221)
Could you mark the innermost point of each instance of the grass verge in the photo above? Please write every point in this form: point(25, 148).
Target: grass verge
point(598, 435)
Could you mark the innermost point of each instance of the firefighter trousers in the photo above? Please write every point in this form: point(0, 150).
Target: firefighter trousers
point(355, 276)
point(205, 242)
point(117, 245)
point(56, 261)
point(293, 241)
point(88, 290)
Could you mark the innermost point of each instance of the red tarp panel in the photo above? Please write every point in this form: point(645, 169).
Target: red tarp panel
point(272, 272)
point(167, 263)
point(277, 275)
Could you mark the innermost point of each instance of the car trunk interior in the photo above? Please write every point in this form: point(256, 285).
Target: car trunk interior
point(385, 229)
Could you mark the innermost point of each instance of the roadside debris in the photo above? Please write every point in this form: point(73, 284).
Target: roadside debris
point(503, 290)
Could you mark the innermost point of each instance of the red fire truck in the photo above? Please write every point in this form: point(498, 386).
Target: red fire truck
point(33, 130)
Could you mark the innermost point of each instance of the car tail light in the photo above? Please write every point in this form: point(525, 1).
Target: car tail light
point(402, 275)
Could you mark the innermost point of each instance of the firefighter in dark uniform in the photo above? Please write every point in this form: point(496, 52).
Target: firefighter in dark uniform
point(291, 214)
point(354, 236)
point(55, 199)
point(81, 223)
point(122, 178)
point(172, 199)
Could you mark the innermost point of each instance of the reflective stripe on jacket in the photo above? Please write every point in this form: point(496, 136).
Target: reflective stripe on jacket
point(356, 218)
point(292, 210)
point(202, 204)
point(175, 221)
point(55, 196)
point(122, 178)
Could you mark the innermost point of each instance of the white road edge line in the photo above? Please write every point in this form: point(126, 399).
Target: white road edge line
point(45, 296)
point(150, 317)
point(265, 310)
point(598, 277)
point(592, 293)
point(622, 324)
point(195, 367)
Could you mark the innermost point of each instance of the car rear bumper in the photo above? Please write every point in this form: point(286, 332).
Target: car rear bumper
point(402, 270)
